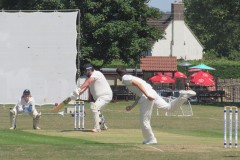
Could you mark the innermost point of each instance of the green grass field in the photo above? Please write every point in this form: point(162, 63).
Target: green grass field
point(198, 137)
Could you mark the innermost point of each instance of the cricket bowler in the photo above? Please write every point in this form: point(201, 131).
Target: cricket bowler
point(148, 97)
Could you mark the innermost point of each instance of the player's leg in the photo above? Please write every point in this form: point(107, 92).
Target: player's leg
point(13, 118)
point(146, 107)
point(187, 93)
point(95, 113)
point(183, 97)
point(102, 121)
point(36, 118)
point(95, 108)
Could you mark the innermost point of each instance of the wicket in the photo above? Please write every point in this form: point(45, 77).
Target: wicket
point(78, 114)
point(230, 125)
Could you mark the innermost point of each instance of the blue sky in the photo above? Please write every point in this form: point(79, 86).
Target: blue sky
point(163, 5)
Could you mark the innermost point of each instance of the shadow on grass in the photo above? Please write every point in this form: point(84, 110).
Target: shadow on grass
point(216, 104)
point(231, 156)
point(78, 130)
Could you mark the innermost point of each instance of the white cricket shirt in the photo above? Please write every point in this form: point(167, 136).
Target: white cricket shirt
point(126, 79)
point(100, 87)
point(23, 103)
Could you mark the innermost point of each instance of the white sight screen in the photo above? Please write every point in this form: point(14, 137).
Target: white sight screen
point(37, 52)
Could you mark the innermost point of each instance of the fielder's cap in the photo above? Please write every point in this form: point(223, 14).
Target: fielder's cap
point(87, 66)
point(26, 92)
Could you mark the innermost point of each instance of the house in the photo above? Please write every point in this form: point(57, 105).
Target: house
point(179, 40)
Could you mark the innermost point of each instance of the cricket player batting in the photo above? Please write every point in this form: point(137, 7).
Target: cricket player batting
point(101, 93)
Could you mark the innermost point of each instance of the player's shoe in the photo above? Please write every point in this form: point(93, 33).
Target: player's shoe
point(12, 128)
point(187, 93)
point(36, 128)
point(150, 141)
point(95, 130)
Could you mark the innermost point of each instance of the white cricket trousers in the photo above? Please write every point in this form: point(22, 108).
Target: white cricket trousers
point(146, 107)
point(96, 106)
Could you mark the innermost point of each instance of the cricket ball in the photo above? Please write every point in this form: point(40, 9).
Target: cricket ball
point(56, 104)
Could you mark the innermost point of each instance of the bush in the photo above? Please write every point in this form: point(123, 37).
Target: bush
point(225, 69)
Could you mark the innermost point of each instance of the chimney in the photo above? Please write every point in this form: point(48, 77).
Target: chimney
point(178, 11)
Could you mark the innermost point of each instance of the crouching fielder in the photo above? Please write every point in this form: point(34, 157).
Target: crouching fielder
point(25, 104)
point(148, 98)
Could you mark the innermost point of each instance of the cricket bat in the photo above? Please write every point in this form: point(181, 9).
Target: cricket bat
point(61, 105)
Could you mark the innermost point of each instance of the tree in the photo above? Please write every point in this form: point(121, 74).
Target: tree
point(116, 29)
point(32, 4)
point(216, 24)
point(110, 29)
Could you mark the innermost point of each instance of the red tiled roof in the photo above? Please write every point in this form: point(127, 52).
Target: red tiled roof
point(158, 63)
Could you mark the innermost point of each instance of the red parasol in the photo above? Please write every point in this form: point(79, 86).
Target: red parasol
point(162, 79)
point(201, 74)
point(179, 75)
point(203, 81)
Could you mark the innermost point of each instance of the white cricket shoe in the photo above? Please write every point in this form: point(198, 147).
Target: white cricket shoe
point(187, 93)
point(150, 141)
point(12, 128)
point(36, 128)
point(95, 130)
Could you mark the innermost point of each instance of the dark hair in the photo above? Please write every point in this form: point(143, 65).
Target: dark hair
point(121, 71)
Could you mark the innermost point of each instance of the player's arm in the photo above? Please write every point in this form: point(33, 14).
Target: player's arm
point(86, 84)
point(18, 106)
point(31, 105)
point(140, 86)
point(129, 108)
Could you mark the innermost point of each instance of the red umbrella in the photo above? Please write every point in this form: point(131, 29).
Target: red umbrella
point(201, 74)
point(179, 75)
point(162, 79)
point(202, 81)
